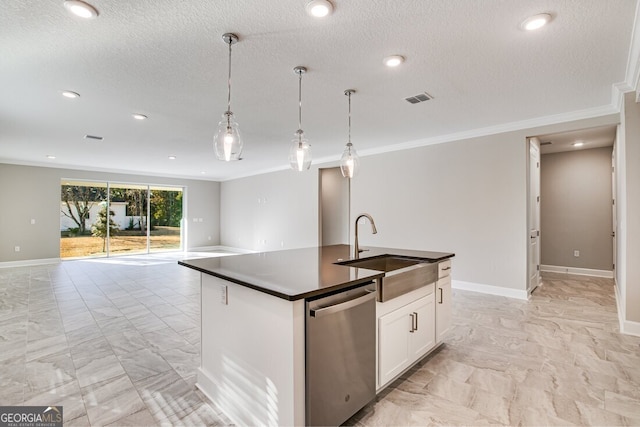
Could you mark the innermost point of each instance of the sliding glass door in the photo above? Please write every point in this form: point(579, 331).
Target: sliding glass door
point(107, 219)
point(166, 218)
point(129, 207)
point(80, 204)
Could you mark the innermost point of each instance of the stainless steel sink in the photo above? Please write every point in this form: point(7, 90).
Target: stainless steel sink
point(382, 263)
point(402, 275)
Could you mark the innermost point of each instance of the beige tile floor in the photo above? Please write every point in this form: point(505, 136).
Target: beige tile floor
point(116, 342)
point(556, 359)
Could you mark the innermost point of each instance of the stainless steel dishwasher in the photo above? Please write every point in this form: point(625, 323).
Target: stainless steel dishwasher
point(340, 355)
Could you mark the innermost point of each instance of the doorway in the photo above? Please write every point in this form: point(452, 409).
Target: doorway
point(334, 207)
point(534, 215)
point(575, 213)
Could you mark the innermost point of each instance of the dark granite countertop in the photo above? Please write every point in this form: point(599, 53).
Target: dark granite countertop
point(301, 273)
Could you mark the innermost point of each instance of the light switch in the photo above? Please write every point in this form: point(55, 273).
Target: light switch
point(33, 221)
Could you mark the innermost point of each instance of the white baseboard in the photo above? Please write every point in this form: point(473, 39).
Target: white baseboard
point(619, 306)
point(220, 248)
point(630, 328)
point(580, 271)
point(627, 327)
point(29, 262)
point(490, 289)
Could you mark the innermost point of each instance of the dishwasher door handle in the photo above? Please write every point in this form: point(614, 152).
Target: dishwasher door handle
point(343, 305)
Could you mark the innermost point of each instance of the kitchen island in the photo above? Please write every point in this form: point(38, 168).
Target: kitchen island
point(253, 324)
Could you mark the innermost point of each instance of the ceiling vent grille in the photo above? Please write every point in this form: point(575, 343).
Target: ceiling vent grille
point(421, 97)
point(93, 137)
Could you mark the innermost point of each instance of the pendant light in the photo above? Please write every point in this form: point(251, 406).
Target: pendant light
point(300, 152)
point(349, 162)
point(227, 141)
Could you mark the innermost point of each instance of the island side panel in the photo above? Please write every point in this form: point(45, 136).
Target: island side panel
point(252, 359)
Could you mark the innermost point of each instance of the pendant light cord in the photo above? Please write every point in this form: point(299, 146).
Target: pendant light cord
point(229, 79)
point(300, 100)
point(349, 117)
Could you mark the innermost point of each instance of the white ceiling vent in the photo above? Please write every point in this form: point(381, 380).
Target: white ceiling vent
point(421, 97)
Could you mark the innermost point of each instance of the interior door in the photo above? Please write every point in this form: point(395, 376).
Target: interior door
point(534, 214)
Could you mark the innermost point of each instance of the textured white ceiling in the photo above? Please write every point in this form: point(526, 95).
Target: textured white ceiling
point(166, 59)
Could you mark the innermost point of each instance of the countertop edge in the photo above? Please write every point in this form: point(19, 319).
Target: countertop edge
point(422, 256)
point(295, 297)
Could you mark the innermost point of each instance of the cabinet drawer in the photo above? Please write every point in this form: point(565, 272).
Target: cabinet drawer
point(444, 268)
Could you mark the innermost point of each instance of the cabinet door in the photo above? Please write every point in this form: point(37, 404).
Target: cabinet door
point(443, 308)
point(422, 336)
point(393, 344)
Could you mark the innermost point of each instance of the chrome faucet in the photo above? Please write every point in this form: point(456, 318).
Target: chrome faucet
point(356, 249)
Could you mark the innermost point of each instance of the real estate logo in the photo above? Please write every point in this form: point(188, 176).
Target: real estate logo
point(30, 416)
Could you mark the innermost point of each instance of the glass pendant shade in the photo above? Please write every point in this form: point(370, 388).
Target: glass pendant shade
point(300, 153)
point(349, 162)
point(227, 141)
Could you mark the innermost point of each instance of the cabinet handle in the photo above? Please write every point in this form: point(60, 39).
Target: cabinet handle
point(446, 268)
point(416, 318)
point(412, 323)
point(440, 302)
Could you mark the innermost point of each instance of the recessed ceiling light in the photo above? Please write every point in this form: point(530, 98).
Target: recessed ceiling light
point(536, 21)
point(172, 157)
point(319, 8)
point(138, 116)
point(81, 9)
point(51, 157)
point(70, 94)
point(393, 60)
point(578, 144)
point(203, 173)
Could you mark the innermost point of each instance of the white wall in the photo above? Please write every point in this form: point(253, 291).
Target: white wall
point(36, 193)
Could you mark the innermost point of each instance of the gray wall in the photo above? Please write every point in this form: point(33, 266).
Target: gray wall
point(279, 210)
point(29, 192)
point(575, 207)
point(628, 153)
point(466, 197)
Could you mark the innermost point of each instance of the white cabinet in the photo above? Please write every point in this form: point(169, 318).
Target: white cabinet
point(443, 301)
point(405, 335)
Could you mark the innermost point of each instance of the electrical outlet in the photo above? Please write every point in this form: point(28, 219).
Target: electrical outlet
point(17, 248)
point(33, 221)
point(224, 296)
point(576, 253)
